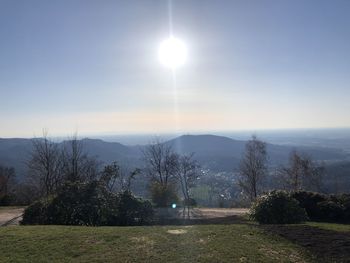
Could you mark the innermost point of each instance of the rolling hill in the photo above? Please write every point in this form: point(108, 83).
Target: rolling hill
point(217, 153)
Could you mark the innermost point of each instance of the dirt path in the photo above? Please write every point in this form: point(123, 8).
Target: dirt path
point(219, 212)
point(10, 215)
point(326, 245)
point(168, 216)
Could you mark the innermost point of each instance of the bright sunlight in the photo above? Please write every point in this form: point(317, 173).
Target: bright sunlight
point(172, 52)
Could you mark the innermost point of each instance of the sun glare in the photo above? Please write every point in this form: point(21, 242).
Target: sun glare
point(172, 53)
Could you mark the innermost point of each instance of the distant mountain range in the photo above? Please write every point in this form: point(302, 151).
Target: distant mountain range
point(223, 154)
point(217, 153)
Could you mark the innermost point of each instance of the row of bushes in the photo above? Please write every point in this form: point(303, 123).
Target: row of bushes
point(321, 207)
point(281, 207)
point(89, 204)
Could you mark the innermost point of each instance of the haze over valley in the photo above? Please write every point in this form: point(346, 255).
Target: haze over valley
point(222, 126)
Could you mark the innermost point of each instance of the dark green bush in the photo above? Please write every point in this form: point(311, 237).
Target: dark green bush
point(89, 204)
point(344, 200)
point(277, 207)
point(132, 210)
point(309, 201)
point(331, 211)
point(81, 204)
point(36, 213)
point(318, 207)
point(327, 208)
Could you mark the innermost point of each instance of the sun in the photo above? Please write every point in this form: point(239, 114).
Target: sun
point(172, 52)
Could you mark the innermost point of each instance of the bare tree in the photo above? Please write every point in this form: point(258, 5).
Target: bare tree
point(118, 178)
point(110, 175)
point(161, 167)
point(7, 175)
point(161, 162)
point(187, 173)
point(45, 164)
point(72, 155)
point(77, 165)
point(302, 173)
point(126, 178)
point(253, 167)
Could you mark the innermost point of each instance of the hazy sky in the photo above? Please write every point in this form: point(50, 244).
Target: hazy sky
point(92, 66)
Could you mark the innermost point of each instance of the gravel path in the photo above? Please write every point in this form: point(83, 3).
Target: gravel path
point(220, 212)
point(169, 216)
point(10, 215)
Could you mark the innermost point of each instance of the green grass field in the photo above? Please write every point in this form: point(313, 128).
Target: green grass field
point(331, 226)
point(199, 243)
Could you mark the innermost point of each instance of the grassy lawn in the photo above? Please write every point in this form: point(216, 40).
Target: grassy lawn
point(199, 243)
point(331, 226)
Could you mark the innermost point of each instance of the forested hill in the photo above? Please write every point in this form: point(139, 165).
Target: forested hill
point(217, 153)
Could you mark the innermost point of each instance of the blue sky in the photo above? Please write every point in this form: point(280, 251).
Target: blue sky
point(92, 66)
